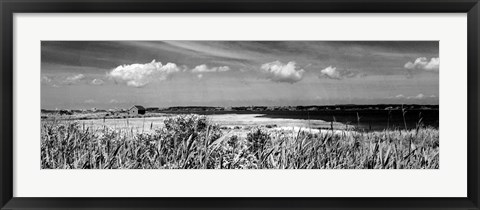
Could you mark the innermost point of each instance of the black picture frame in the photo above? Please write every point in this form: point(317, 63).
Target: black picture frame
point(10, 7)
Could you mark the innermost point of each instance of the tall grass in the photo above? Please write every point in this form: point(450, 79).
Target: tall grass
point(192, 142)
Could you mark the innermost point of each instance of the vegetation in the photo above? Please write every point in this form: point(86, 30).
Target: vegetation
point(192, 142)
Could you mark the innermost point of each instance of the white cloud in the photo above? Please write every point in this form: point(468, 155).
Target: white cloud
point(200, 76)
point(113, 101)
point(204, 68)
point(89, 101)
point(97, 82)
point(419, 96)
point(139, 75)
point(331, 72)
point(279, 72)
point(73, 79)
point(422, 63)
point(45, 80)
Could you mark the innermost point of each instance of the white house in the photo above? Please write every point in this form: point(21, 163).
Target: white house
point(136, 110)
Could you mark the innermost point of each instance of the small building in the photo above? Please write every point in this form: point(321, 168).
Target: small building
point(136, 110)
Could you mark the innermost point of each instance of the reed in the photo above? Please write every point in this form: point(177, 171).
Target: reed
point(193, 142)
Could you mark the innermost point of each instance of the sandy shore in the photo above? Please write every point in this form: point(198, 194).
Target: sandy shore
point(233, 122)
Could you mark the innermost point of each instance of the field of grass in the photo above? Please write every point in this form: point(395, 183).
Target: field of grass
point(194, 142)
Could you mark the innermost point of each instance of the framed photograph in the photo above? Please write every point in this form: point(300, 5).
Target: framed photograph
point(239, 105)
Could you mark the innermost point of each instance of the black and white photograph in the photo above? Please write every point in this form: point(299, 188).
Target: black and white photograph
point(239, 104)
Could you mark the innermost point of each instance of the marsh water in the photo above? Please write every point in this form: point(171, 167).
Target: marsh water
point(366, 120)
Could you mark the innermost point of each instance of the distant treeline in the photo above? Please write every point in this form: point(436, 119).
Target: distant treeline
point(303, 108)
point(348, 107)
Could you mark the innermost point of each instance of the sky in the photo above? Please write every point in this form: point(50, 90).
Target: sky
point(119, 74)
